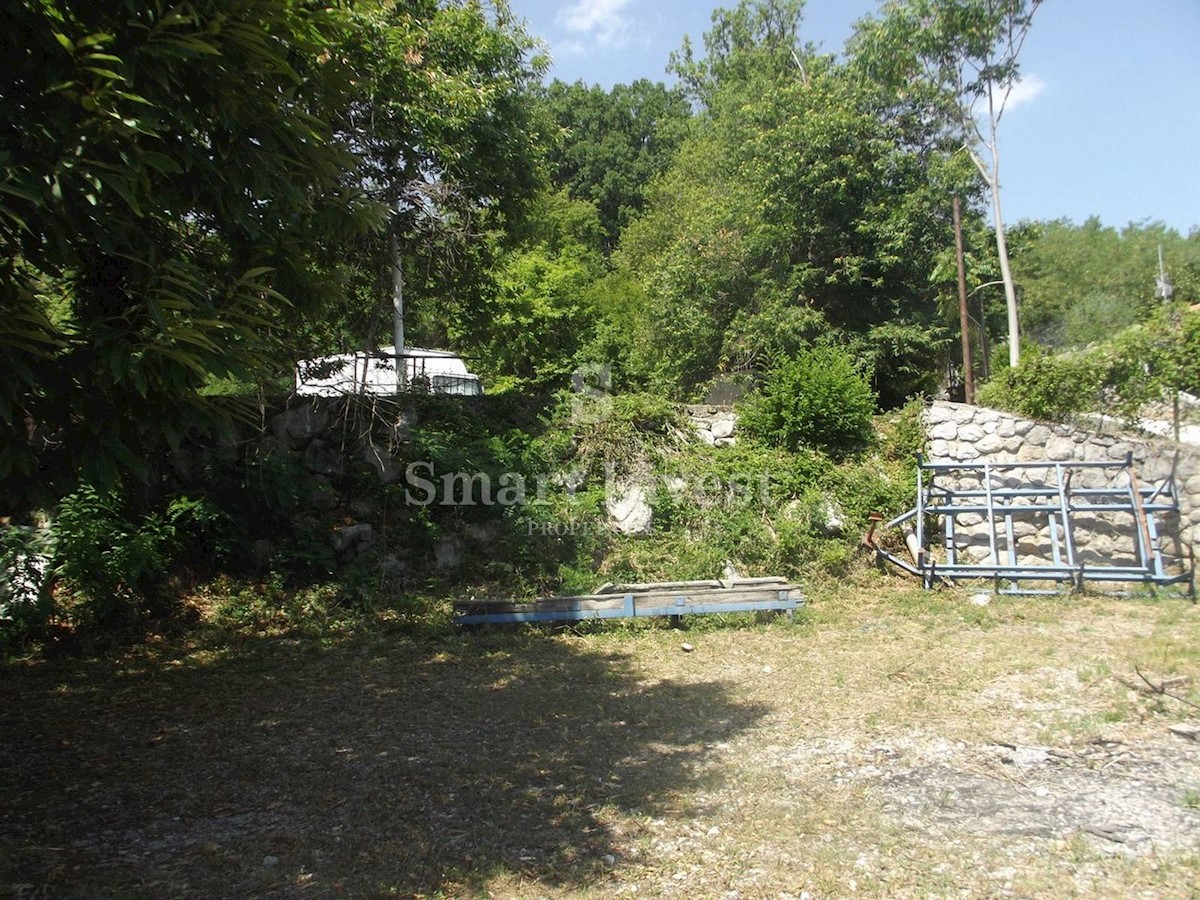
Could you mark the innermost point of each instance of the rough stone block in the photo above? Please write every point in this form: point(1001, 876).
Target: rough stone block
point(1024, 529)
point(1156, 468)
point(937, 414)
point(380, 461)
point(1030, 453)
point(1119, 450)
point(969, 432)
point(939, 449)
point(984, 416)
point(990, 443)
point(1006, 428)
point(722, 426)
point(945, 431)
point(298, 426)
point(965, 452)
point(358, 536)
point(322, 459)
point(1060, 448)
point(964, 414)
point(629, 509)
point(1038, 434)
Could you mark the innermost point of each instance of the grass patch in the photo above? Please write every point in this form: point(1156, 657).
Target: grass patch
point(890, 742)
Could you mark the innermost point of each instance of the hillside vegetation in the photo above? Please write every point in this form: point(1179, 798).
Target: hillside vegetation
point(196, 197)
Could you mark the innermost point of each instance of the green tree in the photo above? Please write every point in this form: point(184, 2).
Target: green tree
point(960, 55)
point(186, 187)
point(1084, 283)
point(607, 145)
point(801, 206)
point(536, 316)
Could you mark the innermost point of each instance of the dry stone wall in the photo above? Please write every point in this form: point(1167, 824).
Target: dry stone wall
point(713, 424)
point(958, 433)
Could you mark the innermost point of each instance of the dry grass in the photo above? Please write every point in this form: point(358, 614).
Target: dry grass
point(891, 743)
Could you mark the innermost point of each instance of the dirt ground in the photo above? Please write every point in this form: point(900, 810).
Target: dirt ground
point(889, 743)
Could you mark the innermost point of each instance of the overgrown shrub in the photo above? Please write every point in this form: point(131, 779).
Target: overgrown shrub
point(1139, 365)
point(24, 600)
point(110, 568)
point(817, 399)
point(1045, 387)
point(626, 432)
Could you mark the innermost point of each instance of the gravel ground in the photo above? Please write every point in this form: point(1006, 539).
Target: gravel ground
point(890, 743)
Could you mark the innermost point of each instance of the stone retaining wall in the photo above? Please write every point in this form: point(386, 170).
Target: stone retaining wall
point(961, 433)
point(713, 424)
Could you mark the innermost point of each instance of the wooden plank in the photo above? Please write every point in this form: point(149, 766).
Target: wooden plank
point(725, 595)
point(548, 604)
point(685, 586)
point(594, 602)
point(658, 586)
point(694, 598)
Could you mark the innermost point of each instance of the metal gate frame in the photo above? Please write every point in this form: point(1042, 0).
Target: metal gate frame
point(1000, 505)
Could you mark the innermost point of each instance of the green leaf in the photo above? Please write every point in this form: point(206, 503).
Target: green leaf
point(121, 186)
point(161, 162)
point(92, 40)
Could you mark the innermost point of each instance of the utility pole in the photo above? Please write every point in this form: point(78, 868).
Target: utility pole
point(968, 374)
point(1165, 291)
point(398, 315)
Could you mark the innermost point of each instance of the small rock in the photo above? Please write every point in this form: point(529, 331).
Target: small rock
point(767, 670)
point(687, 648)
point(722, 427)
point(1030, 756)
point(981, 599)
point(629, 510)
point(714, 831)
point(361, 533)
point(269, 861)
point(608, 859)
point(1191, 732)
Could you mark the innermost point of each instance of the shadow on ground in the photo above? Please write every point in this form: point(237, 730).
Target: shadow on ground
point(375, 767)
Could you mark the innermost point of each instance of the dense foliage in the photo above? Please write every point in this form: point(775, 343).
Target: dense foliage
point(608, 145)
point(1084, 283)
point(194, 196)
point(818, 399)
point(1144, 363)
point(184, 189)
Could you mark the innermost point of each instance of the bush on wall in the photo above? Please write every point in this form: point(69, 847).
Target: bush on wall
point(817, 399)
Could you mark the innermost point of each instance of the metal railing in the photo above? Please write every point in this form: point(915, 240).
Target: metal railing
point(1037, 525)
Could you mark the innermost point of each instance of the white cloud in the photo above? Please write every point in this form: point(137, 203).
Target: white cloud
point(568, 48)
point(601, 19)
point(1024, 91)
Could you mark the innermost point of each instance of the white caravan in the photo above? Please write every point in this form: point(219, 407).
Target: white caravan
point(435, 371)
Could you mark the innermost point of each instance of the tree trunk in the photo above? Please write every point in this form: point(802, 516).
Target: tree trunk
point(1010, 290)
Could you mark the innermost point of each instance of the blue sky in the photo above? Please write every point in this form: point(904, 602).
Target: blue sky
point(1109, 123)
